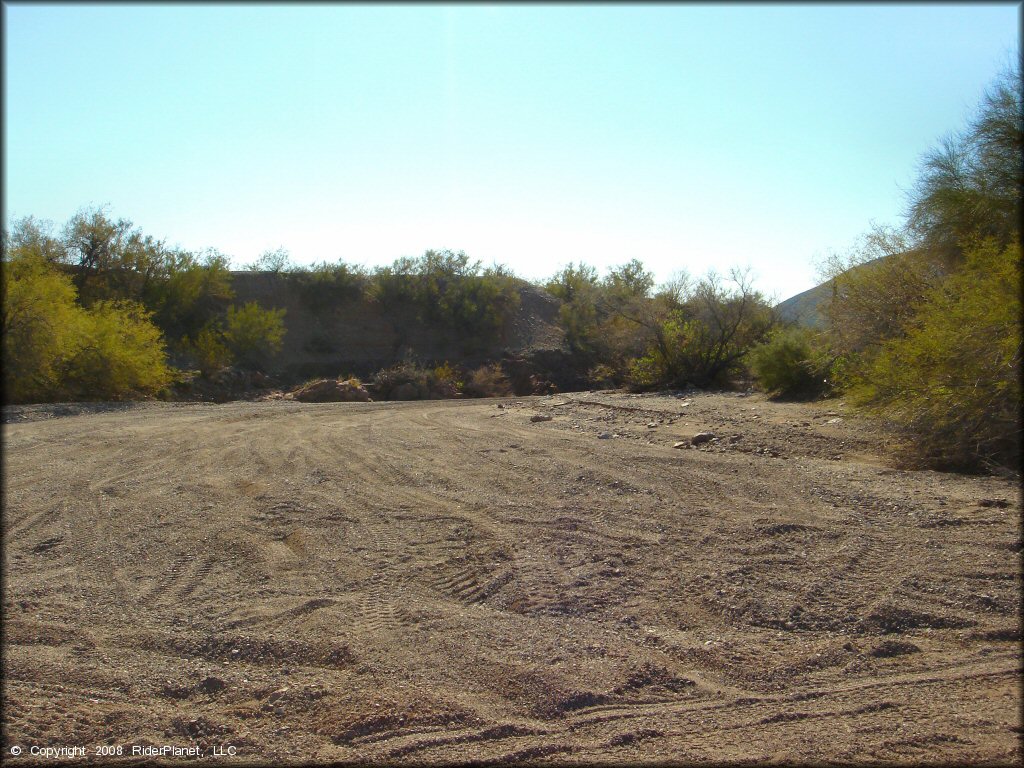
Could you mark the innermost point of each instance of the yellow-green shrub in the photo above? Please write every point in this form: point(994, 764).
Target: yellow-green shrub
point(953, 378)
point(41, 328)
point(120, 354)
point(252, 333)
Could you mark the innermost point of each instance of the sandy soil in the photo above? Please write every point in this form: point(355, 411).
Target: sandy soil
point(450, 581)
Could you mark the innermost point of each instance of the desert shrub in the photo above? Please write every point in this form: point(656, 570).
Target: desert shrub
point(276, 261)
point(952, 380)
point(703, 342)
point(488, 381)
point(791, 363)
point(195, 290)
point(448, 290)
point(602, 376)
point(449, 376)
point(42, 327)
point(325, 286)
point(409, 380)
point(209, 350)
point(254, 334)
point(120, 354)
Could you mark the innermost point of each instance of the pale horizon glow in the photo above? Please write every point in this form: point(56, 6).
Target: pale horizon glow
point(688, 136)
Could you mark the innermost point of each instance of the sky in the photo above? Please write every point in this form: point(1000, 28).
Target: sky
point(691, 137)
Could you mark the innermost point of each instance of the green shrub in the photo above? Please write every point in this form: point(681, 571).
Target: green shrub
point(254, 334)
point(120, 354)
point(952, 380)
point(209, 349)
point(790, 364)
point(42, 327)
point(325, 287)
point(602, 376)
point(447, 290)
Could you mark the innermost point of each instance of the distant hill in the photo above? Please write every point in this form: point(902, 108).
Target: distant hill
point(806, 308)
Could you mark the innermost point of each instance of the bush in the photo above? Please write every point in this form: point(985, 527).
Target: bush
point(449, 377)
point(488, 381)
point(209, 350)
point(54, 348)
point(790, 364)
point(254, 334)
point(602, 376)
point(410, 381)
point(41, 329)
point(953, 379)
point(120, 354)
point(324, 287)
point(446, 289)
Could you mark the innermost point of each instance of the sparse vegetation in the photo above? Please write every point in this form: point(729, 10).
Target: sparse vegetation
point(925, 320)
point(488, 381)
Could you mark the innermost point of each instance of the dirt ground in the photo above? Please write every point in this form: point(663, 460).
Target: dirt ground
point(451, 581)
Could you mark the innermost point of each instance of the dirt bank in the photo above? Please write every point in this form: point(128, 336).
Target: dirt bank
point(447, 581)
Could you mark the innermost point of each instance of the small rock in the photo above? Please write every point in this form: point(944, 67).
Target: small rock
point(681, 444)
point(652, 425)
point(276, 695)
point(702, 437)
point(540, 417)
point(605, 436)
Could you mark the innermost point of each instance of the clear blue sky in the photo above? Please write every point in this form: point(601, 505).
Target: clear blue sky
point(687, 136)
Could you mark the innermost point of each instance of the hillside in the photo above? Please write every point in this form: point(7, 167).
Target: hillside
point(806, 308)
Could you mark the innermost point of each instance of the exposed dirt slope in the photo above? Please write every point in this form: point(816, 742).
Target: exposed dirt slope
point(448, 581)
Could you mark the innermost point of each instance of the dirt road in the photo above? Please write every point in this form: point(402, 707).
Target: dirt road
point(450, 581)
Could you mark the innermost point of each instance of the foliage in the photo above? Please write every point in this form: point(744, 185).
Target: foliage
point(969, 186)
point(408, 380)
point(41, 328)
point(446, 288)
point(602, 376)
point(209, 350)
point(275, 261)
point(488, 381)
point(326, 286)
point(449, 377)
point(120, 354)
point(953, 379)
point(704, 341)
point(875, 289)
point(196, 289)
point(254, 334)
point(791, 363)
point(54, 348)
point(927, 334)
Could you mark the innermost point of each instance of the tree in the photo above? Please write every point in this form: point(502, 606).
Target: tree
point(275, 261)
point(968, 189)
point(705, 340)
